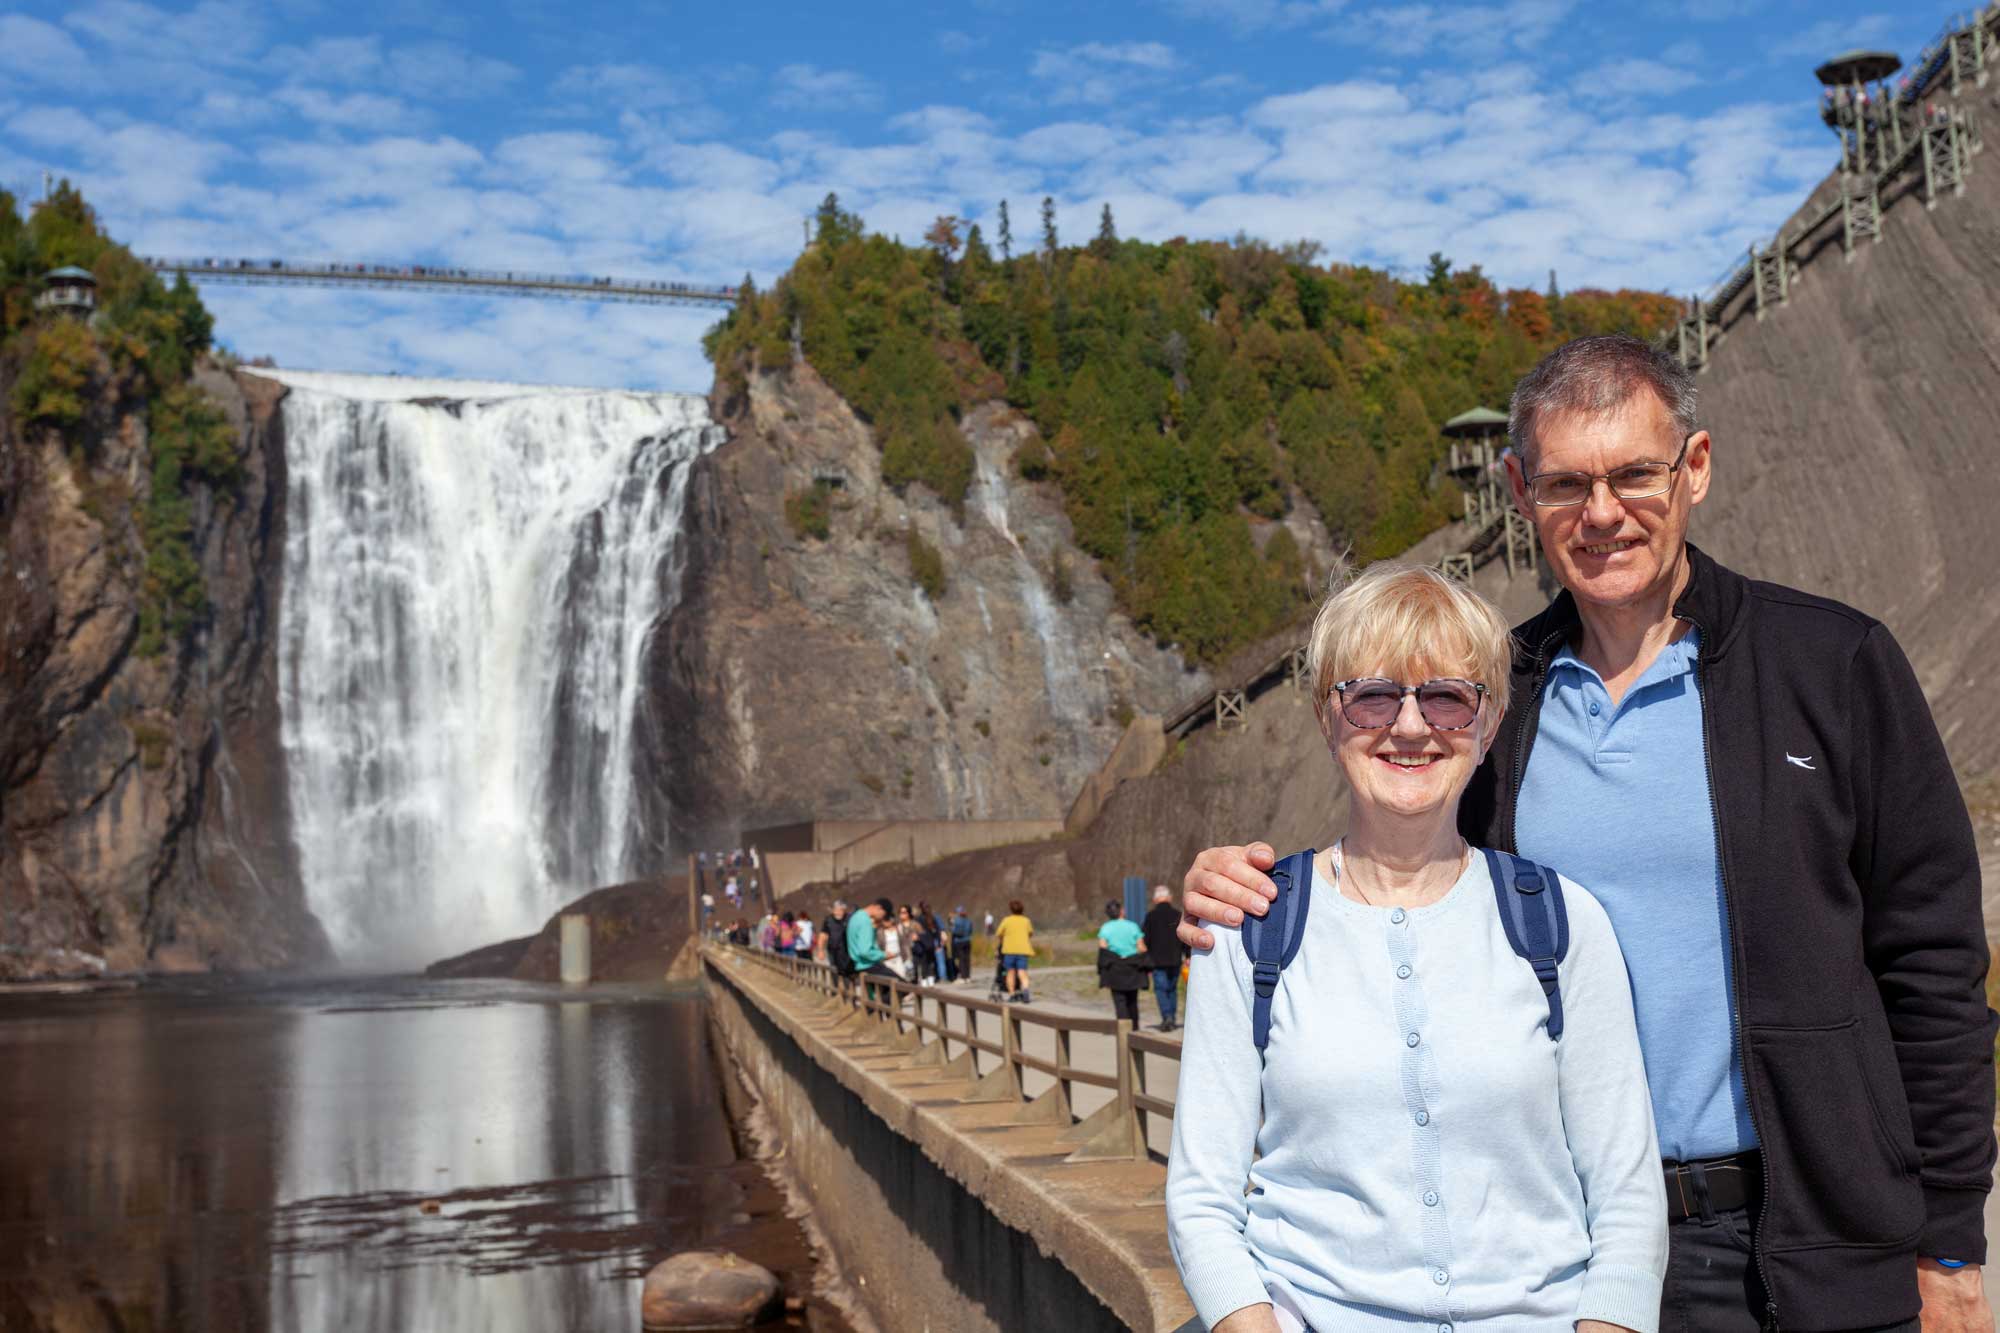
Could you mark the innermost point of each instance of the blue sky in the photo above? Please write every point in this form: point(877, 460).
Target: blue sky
point(1621, 144)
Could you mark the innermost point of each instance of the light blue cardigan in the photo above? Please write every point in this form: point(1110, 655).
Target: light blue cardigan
point(1417, 1152)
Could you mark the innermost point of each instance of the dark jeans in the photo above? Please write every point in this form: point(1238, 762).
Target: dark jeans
point(1712, 1285)
point(961, 958)
point(1125, 1004)
point(1166, 984)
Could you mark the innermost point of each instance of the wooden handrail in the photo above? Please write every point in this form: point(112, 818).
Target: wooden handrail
point(1115, 1130)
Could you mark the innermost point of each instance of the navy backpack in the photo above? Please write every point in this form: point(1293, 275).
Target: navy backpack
point(1531, 911)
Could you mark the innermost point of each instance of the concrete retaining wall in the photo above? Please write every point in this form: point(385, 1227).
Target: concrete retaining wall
point(937, 1225)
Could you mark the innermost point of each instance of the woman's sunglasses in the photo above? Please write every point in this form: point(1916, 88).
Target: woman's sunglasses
point(1371, 702)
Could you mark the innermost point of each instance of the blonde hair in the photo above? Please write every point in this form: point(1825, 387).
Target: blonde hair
point(1411, 622)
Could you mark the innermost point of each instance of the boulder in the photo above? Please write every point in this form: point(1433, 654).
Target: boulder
point(708, 1289)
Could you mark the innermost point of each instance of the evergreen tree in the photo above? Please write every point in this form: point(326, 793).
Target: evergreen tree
point(978, 259)
point(1049, 227)
point(1106, 244)
point(831, 226)
point(1006, 234)
point(1439, 277)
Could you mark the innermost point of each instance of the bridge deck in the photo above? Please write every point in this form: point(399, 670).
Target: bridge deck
point(422, 277)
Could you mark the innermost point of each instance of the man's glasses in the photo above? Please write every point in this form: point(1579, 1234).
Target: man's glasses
point(1634, 481)
point(1371, 703)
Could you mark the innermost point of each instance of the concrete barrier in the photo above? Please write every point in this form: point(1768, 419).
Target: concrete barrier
point(575, 949)
point(945, 1207)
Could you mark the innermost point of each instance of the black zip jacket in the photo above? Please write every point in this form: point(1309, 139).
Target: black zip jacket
point(1851, 881)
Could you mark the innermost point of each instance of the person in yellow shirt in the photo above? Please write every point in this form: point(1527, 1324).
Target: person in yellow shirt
point(1017, 945)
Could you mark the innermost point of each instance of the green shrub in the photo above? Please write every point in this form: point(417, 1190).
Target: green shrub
point(810, 511)
point(926, 565)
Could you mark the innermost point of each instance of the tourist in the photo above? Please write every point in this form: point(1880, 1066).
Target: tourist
point(864, 949)
point(961, 945)
point(1015, 936)
point(1120, 967)
point(923, 946)
point(767, 933)
point(1750, 778)
point(895, 944)
point(802, 937)
point(834, 930)
point(1164, 951)
point(1418, 1145)
point(787, 933)
point(707, 909)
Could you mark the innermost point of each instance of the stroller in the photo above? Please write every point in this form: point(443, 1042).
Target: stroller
point(999, 992)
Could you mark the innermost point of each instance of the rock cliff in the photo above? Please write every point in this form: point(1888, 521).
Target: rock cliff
point(803, 677)
point(142, 801)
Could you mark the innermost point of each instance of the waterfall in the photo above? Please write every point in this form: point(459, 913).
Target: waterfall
point(471, 574)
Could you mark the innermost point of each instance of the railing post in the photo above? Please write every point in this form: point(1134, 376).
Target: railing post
point(1000, 1084)
point(1113, 1130)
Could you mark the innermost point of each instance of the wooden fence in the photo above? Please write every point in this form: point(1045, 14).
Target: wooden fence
point(919, 1019)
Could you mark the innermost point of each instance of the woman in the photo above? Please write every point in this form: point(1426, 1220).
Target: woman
point(1121, 968)
point(1015, 938)
point(923, 946)
point(1417, 1150)
point(893, 952)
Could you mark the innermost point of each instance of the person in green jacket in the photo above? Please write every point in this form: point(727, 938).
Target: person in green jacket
point(863, 949)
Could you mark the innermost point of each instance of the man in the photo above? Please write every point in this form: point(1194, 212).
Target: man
point(1164, 947)
point(834, 931)
point(961, 944)
point(1749, 780)
point(864, 951)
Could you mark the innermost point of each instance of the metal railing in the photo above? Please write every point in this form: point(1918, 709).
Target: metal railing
point(994, 1070)
point(418, 277)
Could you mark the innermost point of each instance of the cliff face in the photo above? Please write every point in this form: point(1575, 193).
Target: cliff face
point(1854, 442)
point(142, 800)
point(804, 678)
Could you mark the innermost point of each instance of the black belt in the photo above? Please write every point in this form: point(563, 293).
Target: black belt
point(1727, 1182)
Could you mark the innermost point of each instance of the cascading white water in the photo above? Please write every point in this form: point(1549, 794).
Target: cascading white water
point(471, 575)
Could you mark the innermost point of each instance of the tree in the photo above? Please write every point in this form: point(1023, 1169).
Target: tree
point(1049, 227)
point(1440, 272)
point(1006, 234)
point(834, 227)
point(978, 259)
point(1106, 244)
point(942, 237)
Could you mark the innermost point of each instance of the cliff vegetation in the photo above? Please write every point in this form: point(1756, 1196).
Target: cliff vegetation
point(1183, 391)
point(138, 353)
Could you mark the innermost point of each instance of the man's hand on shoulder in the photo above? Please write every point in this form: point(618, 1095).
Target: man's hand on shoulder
point(1954, 1298)
point(1223, 884)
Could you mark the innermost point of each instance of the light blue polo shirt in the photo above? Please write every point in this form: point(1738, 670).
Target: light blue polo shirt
point(1618, 800)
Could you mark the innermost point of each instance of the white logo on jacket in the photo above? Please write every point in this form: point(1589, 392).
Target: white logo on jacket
point(1805, 763)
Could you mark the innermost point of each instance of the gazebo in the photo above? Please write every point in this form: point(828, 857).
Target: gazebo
point(68, 290)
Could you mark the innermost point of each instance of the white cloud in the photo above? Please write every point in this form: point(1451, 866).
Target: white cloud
point(1831, 36)
point(1468, 31)
point(1256, 15)
point(624, 86)
point(809, 88)
point(1626, 79)
point(1101, 73)
point(40, 51)
point(354, 111)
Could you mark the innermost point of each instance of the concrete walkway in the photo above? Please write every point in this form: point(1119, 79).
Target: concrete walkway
point(1104, 1220)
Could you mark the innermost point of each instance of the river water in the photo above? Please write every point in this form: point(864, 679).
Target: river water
point(366, 1154)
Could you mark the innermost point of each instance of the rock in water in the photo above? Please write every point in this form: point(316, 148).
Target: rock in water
point(707, 1289)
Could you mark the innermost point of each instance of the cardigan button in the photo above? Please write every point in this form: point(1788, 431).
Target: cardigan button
point(1403, 972)
point(1430, 1198)
point(1396, 917)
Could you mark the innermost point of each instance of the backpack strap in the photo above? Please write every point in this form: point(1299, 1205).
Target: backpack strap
point(1536, 922)
point(1272, 940)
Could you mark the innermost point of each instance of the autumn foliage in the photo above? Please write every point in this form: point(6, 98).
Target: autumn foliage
point(1186, 392)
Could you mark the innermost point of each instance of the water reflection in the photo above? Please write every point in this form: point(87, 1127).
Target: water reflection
point(403, 1155)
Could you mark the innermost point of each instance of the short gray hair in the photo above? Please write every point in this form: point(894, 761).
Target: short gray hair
point(1593, 376)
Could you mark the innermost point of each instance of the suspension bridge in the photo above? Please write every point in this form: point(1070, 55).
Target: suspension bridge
point(430, 277)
